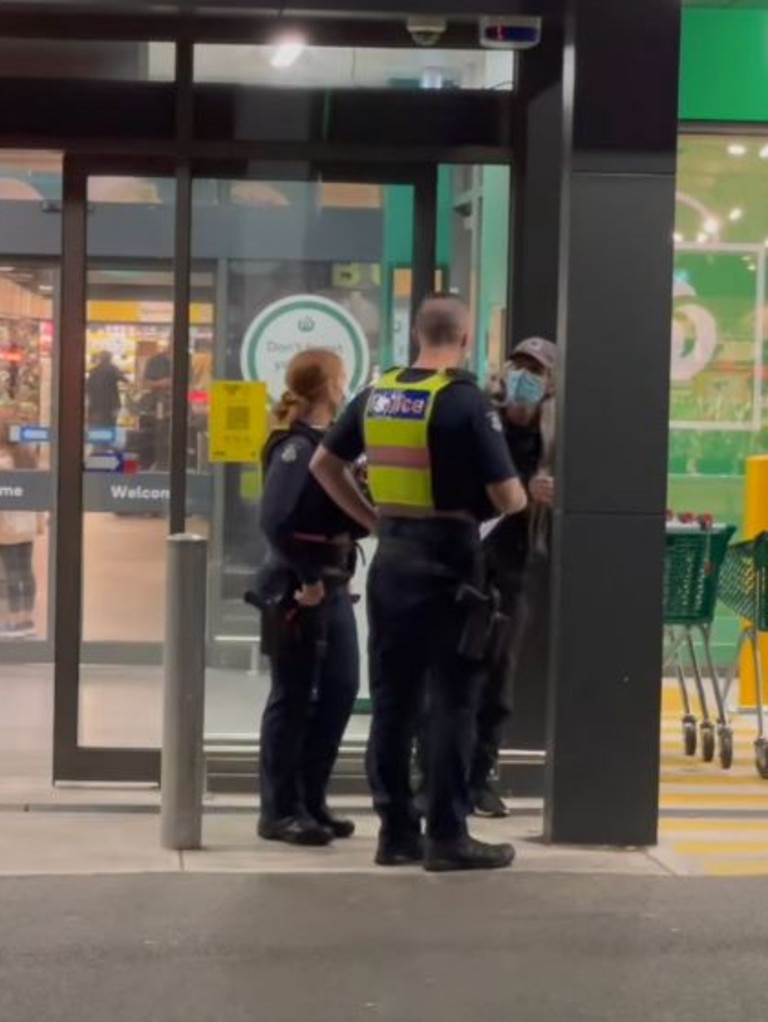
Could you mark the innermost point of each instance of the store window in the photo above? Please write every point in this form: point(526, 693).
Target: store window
point(28, 312)
point(718, 366)
point(293, 65)
point(473, 243)
point(113, 60)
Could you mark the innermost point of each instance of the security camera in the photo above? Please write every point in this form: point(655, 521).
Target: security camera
point(426, 30)
point(510, 33)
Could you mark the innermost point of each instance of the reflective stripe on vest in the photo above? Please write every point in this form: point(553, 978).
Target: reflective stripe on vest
point(397, 419)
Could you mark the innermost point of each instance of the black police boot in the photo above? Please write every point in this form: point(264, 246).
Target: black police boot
point(399, 850)
point(466, 853)
point(338, 826)
point(296, 830)
point(486, 801)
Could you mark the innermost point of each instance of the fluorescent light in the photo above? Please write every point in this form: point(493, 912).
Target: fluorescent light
point(287, 52)
point(737, 149)
point(735, 214)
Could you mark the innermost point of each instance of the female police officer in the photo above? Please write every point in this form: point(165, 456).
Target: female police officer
point(314, 653)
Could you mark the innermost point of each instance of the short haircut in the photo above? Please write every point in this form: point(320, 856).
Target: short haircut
point(442, 319)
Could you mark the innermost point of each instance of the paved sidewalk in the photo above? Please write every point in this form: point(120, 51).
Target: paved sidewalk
point(71, 838)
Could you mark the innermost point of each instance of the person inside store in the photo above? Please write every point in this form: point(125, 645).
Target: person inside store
point(524, 395)
point(19, 529)
point(303, 590)
point(103, 392)
point(438, 465)
point(155, 404)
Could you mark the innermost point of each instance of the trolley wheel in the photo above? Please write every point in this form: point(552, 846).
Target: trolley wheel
point(725, 742)
point(707, 742)
point(761, 757)
point(690, 735)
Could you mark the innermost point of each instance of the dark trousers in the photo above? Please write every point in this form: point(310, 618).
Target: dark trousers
point(20, 584)
point(415, 624)
point(497, 692)
point(314, 686)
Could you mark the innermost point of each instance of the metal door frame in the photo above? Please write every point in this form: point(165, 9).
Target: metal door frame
point(71, 761)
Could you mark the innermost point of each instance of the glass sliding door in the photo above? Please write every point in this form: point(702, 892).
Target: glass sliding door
point(301, 261)
point(289, 259)
point(113, 481)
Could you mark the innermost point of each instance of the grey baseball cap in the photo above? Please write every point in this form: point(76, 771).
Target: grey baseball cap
point(540, 350)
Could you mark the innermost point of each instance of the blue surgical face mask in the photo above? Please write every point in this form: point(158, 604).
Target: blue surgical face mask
point(525, 387)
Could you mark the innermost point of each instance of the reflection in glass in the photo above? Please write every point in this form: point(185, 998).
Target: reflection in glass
point(26, 353)
point(351, 68)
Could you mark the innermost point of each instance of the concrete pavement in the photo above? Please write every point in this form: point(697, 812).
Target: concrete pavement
point(341, 948)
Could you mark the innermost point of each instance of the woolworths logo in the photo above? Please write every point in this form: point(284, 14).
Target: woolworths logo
point(294, 324)
point(121, 491)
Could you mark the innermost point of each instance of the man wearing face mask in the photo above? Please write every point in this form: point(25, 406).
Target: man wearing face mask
point(525, 398)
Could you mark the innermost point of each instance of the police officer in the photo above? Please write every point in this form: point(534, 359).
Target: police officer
point(437, 466)
point(525, 398)
point(304, 587)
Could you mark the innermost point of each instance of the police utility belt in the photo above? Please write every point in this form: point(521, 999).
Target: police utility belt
point(485, 629)
point(275, 581)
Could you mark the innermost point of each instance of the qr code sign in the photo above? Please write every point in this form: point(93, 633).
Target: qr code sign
point(238, 418)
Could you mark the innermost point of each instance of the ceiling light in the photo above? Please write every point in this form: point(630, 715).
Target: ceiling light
point(287, 52)
point(735, 214)
point(737, 149)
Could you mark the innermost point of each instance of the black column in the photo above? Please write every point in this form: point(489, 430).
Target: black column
point(534, 301)
point(620, 87)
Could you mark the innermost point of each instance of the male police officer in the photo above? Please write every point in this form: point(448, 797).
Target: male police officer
point(437, 465)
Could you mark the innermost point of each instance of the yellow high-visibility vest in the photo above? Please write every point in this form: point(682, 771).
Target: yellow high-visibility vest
point(396, 426)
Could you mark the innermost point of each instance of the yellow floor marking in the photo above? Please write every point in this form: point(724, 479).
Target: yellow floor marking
point(737, 868)
point(671, 826)
point(724, 801)
point(722, 848)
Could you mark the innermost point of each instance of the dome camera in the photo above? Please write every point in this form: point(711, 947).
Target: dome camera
point(426, 30)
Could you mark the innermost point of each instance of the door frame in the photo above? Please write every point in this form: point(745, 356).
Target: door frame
point(72, 761)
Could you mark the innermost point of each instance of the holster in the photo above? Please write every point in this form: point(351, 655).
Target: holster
point(485, 628)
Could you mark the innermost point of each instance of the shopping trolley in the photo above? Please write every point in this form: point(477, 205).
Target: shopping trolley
point(694, 556)
point(744, 589)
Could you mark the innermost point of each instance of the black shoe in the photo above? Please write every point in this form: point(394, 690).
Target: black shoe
point(296, 830)
point(400, 851)
point(467, 853)
point(487, 802)
point(338, 826)
point(421, 803)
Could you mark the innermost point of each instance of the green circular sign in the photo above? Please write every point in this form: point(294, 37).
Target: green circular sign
point(294, 324)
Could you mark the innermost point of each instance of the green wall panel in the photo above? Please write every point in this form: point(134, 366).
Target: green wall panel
point(724, 65)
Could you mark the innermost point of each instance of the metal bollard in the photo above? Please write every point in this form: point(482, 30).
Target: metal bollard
point(183, 767)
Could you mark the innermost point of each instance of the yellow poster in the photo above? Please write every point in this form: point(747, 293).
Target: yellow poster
point(238, 421)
